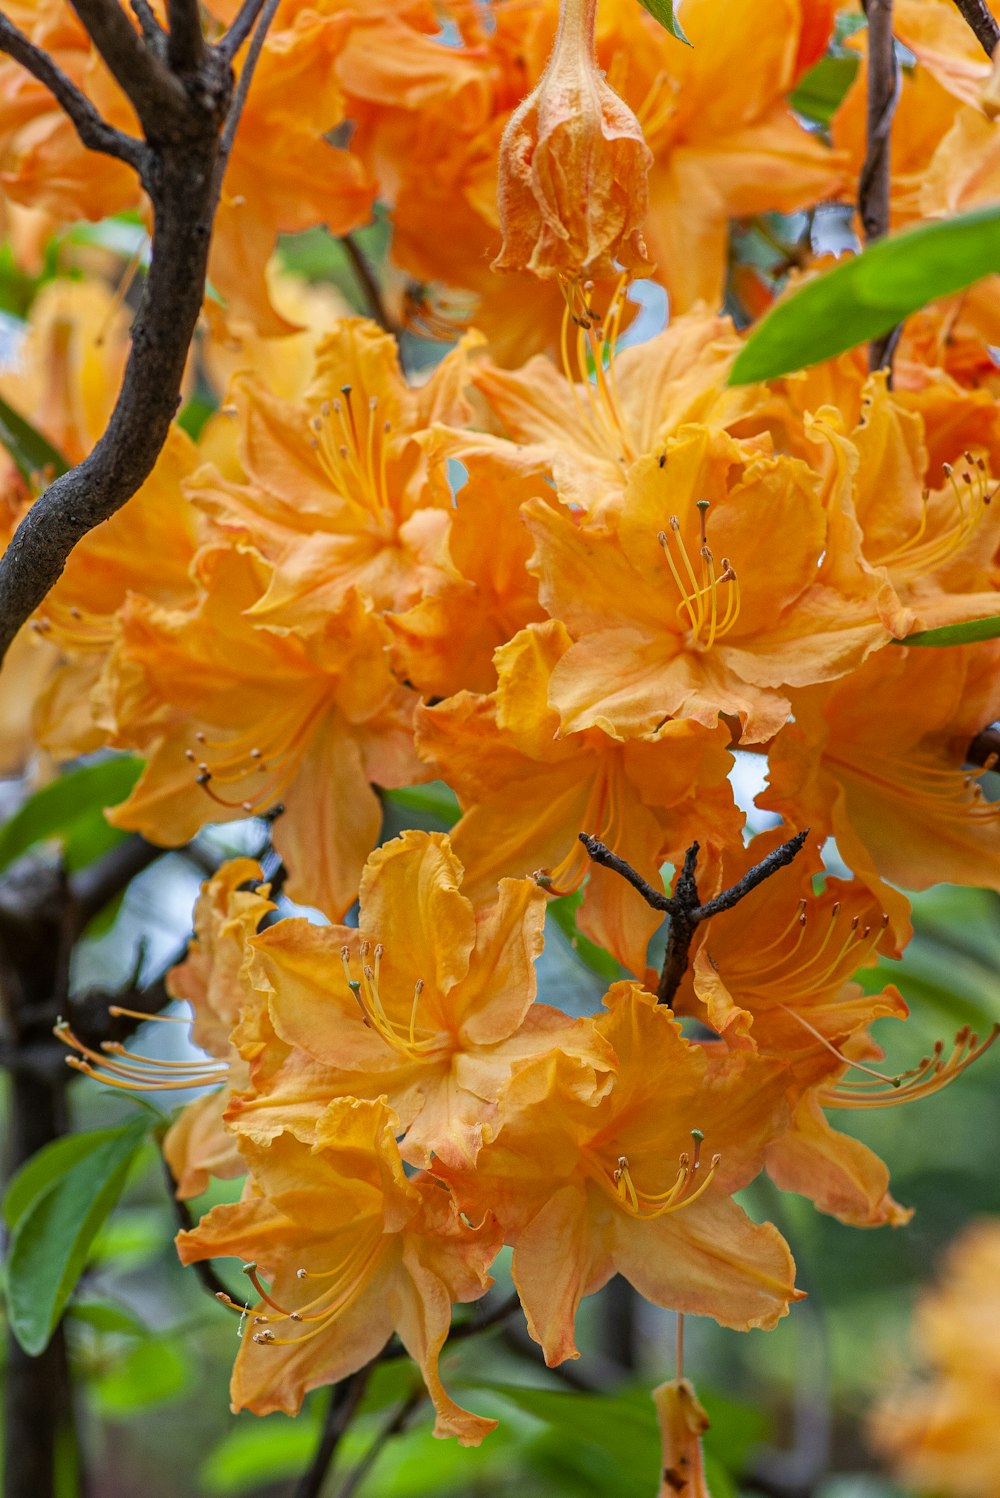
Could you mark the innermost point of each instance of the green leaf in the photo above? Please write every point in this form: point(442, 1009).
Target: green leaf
point(622, 1427)
point(29, 449)
point(955, 634)
point(109, 1319)
point(434, 801)
point(820, 92)
point(663, 11)
point(53, 1233)
point(152, 1372)
point(251, 1455)
point(563, 912)
point(45, 1168)
point(72, 808)
point(867, 294)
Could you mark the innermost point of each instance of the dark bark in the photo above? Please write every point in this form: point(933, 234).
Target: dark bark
point(37, 928)
point(684, 905)
point(182, 91)
point(874, 183)
point(982, 22)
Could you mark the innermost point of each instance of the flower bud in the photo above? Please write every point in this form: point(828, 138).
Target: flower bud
point(573, 167)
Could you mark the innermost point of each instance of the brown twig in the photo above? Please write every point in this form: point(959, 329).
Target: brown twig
point(95, 132)
point(183, 121)
point(344, 1401)
point(874, 181)
point(392, 1427)
point(983, 23)
point(684, 906)
point(267, 14)
point(207, 1276)
point(985, 745)
point(186, 42)
point(241, 28)
point(368, 283)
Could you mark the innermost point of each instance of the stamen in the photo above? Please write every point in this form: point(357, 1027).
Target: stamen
point(931, 1075)
point(681, 1193)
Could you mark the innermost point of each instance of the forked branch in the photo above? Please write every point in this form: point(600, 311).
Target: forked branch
point(684, 905)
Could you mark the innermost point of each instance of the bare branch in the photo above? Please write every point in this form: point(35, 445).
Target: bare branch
point(344, 1401)
point(392, 1427)
point(602, 854)
point(95, 133)
point(99, 882)
point(873, 183)
point(207, 1277)
point(156, 37)
point(240, 29)
point(982, 22)
point(985, 746)
point(185, 44)
point(760, 871)
point(368, 283)
point(684, 906)
point(158, 97)
point(268, 13)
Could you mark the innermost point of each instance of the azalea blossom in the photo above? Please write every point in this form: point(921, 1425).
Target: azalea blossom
point(589, 1187)
point(351, 1251)
point(430, 1002)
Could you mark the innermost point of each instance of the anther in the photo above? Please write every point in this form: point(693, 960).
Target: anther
point(301, 1274)
point(189, 754)
point(203, 778)
point(263, 1337)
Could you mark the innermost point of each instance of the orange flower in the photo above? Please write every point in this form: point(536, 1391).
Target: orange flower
point(340, 493)
point(943, 1436)
point(773, 976)
point(646, 800)
point(586, 1189)
point(931, 535)
point(898, 801)
point(484, 593)
point(429, 1002)
point(573, 167)
point(682, 607)
point(353, 1251)
point(235, 717)
point(283, 176)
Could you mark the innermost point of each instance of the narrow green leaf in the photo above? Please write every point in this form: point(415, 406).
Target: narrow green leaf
point(956, 634)
point(52, 1237)
point(435, 800)
point(152, 1372)
point(38, 1174)
point(663, 11)
point(820, 92)
point(867, 294)
point(71, 808)
point(109, 1319)
point(29, 449)
point(563, 912)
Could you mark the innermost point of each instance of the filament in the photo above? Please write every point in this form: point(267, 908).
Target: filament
point(687, 1186)
point(930, 1075)
point(366, 992)
point(699, 594)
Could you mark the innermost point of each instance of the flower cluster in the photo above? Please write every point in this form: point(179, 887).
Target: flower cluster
point(573, 575)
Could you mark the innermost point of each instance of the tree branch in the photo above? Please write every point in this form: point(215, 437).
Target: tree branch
point(982, 22)
point(369, 285)
point(182, 183)
point(684, 906)
point(873, 183)
point(186, 43)
point(985, 746)
point(240, 29)
point(239, 98)
point(392, 1427)
point(344, 1401)
point(95, 133)
point(600, 853)
point(99, 882)
point(157, 96)
point(207, 1276)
